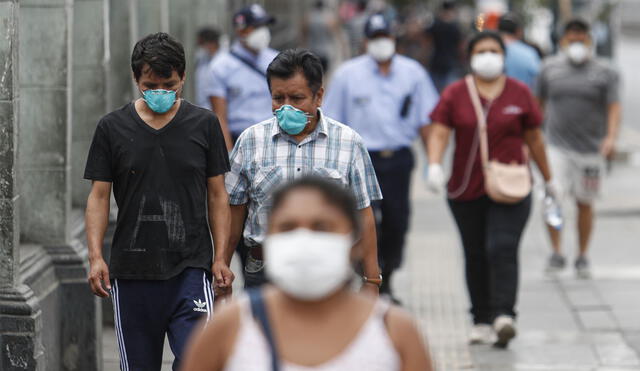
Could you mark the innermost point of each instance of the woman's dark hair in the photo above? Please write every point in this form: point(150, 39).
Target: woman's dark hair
point(290, 61)
point(482, 36)
point(334, 194)
point(161, 52)
point(576, 25)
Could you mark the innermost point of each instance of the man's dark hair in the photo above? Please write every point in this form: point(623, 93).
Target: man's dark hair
point(161, 52)
point(290, 61)
point(509, 23)
point(484, 35)
point(334, 194)
point(448, 5)
point(208, 35)
point(576, 25)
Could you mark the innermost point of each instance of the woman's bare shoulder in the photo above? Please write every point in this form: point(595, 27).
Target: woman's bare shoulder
point(407, 340)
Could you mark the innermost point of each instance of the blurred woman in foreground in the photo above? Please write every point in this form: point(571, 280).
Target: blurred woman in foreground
point(309, 319)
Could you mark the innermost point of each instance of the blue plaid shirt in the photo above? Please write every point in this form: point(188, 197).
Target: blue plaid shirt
point(265, 157)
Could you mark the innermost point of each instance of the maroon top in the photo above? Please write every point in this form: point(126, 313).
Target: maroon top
point(508, 116)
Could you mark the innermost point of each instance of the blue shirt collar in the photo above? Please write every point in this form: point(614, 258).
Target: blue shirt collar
point(376, 69)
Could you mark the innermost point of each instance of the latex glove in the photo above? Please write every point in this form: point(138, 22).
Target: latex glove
point(435, 178)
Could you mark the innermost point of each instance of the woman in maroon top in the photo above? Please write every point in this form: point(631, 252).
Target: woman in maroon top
point(490, 231)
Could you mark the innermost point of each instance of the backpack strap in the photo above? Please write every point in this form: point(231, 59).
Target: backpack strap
point(259, 311)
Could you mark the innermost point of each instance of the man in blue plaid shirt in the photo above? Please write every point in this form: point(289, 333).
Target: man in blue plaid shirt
point(298, 141)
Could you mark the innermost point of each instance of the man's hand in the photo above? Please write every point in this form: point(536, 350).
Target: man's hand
point(220, 294)
point(99, 273)
point(223, 279)
point(370, 289)
point(608, 147)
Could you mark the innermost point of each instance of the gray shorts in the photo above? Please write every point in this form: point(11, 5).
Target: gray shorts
point(577, 174)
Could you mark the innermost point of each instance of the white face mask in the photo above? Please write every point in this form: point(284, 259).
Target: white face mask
point(259, 38)
point(487, 65)
point(577, 52)
point(308, 265)
point(381, 49)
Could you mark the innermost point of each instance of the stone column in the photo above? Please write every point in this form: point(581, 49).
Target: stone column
point(89, 88)
point(119, 67)
point(20, 322)
point(45, 124)
point(46, 116)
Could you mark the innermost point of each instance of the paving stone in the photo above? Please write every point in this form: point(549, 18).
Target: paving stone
point(597, 320)
point(614, 351)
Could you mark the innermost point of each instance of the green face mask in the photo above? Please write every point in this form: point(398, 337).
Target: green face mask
point(159, 100)
point(291, 119)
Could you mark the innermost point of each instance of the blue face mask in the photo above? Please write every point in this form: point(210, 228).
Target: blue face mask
point(159, 100)
point(291, 119)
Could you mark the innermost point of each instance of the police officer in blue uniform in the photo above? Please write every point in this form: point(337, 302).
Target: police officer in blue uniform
point(236, 83)
point(387, 99)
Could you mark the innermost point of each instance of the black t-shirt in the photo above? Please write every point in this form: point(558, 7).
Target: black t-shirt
point(446, 40)
point(160, 185)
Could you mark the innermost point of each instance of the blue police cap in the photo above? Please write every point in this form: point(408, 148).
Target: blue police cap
point(376, 25)
point(252, 15)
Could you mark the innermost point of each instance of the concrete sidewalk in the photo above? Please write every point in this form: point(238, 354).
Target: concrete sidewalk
point(564, 324)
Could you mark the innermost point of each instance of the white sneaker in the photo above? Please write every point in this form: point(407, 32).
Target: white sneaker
point(481, 334)
point(505, 329)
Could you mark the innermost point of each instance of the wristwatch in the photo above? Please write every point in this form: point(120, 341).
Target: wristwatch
point(374, 281)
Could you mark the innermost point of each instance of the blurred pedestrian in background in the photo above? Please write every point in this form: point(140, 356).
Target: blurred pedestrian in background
point(310, 319)
point(522, 61)
point(386, 98)
point(446, 39)
point(166, 159)
point(355, 27)
point(322, 34)
point(236, 83)
point(490, 231)
point(581, 99)
point(411, 40)
point(300, 140)
point(208, 42)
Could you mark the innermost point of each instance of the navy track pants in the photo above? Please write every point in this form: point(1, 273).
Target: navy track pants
point(147, 310)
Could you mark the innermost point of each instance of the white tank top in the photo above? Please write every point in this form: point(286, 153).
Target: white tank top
point(371, 349)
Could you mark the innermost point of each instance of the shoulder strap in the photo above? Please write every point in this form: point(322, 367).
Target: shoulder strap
point(247, 63)
point(259, 311)
point(482, 119)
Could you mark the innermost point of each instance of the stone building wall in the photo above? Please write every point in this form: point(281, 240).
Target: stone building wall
point(64, 64)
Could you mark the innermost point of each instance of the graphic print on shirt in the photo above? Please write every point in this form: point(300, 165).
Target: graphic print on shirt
point(159, 224)
point(512, 109)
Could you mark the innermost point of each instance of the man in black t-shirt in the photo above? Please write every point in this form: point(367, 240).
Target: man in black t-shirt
point(166, 159)
point(446, 39)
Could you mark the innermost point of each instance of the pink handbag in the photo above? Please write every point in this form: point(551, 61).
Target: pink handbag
point(504, 183)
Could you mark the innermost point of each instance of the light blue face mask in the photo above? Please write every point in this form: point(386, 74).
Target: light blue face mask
point(159, 100)
point(291, 119)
